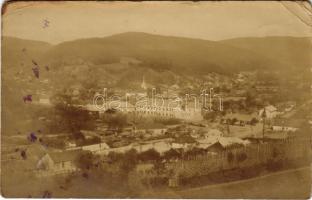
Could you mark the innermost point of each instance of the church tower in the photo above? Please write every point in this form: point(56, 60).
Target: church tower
point(143, 84)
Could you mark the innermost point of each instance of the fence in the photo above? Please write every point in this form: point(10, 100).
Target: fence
point(255, 154)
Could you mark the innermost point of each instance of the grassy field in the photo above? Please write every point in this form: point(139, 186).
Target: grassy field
point(288, 184)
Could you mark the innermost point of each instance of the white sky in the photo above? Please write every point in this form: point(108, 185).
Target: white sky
point(206, 20)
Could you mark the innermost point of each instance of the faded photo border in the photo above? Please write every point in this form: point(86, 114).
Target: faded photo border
point(143, 97)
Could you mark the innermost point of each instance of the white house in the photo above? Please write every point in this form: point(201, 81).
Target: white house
point(270, 111)
point(181, 145)
point(54, 163)
point(214, 133)
point(284, 128)
point(169, 108)
point(224, 141)
point(154, 132)
point(95, 148)
point(160, 146)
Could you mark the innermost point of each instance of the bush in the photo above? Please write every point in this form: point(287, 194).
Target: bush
point(272, 165)
point(171, 154)
point(114, 157)
point(116, 121)
point(230, 157)
point(251, 171)
point(241, 157)
point(150, 154)
point(195, 151)
point(158, 181)
point(233, 121)
point(93, 140)
point(85, 160)
point(253, 121)
point(129, 161)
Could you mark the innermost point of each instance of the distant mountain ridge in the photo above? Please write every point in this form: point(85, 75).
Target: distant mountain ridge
point(177, 54)
point(295, 51)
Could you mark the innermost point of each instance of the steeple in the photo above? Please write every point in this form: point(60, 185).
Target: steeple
point(143, 85)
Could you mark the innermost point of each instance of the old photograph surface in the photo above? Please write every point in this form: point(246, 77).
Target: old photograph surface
point(156, 99)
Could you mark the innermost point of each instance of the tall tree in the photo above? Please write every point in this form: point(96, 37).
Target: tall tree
point(69, 117)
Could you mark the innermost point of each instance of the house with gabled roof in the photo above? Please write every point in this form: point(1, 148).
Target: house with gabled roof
point(60, 162)
point(269, 112)
point(94, 148)
point(214, 143)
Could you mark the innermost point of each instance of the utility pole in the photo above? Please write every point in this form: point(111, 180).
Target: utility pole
point(263, 122)
point(135, 109)
point(228, 127)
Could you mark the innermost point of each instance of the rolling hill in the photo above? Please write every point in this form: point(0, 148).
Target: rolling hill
point(19, 52)
point(176, 54)
point(180, 55)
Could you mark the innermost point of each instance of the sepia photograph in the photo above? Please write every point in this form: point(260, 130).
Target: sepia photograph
point(156, 99)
